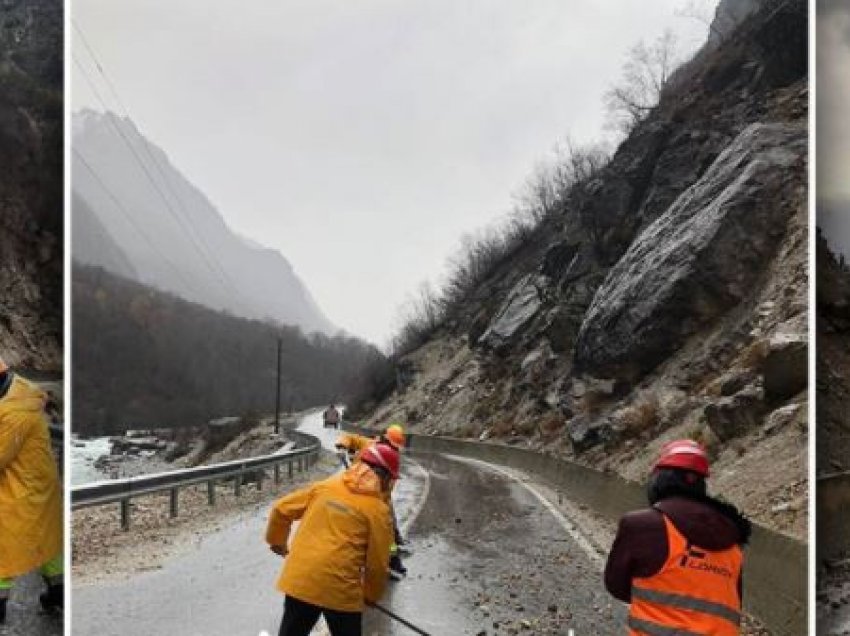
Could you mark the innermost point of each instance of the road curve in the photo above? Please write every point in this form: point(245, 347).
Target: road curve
point(488, 555)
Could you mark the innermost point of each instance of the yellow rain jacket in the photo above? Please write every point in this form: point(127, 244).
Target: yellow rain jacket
point(354, 443)
point(340, 553)
point(30, 492)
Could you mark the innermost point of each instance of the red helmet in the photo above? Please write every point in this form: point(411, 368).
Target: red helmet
point(382, 455)
point(683, 453)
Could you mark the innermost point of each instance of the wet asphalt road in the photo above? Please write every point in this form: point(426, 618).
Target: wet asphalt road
point(487, 556)
point(24, 614)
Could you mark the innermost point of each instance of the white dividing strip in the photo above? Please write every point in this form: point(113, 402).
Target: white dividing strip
point(416, 510)
point(581, 540)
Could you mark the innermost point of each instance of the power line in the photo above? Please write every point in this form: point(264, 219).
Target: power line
point(162, 173)
point(187, 230)
point(129, 217)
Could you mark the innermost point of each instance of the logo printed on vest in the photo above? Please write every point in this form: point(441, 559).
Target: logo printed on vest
point(694, 559)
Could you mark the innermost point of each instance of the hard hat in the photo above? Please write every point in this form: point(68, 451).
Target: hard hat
point(685, 454)
point(382, 455)
point(395, 434)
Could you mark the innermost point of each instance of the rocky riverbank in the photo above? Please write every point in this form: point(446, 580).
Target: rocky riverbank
point(150, 451)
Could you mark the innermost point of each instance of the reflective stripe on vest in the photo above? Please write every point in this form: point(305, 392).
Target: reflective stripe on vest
point(645, 627)
point(688, 602)
point(694, 593)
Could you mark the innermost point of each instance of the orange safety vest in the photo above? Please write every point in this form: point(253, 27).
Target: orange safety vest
point(694, 594)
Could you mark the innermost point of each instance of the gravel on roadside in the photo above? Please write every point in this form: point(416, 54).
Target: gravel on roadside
point(101, 550)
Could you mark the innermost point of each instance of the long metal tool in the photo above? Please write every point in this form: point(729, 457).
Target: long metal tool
point(398, 618)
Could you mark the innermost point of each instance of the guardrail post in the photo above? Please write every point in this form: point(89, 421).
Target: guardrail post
point(122, 491)
point(125, 514)
point(173, 503)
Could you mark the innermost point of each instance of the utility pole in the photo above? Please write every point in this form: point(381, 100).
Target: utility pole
point(277, 392)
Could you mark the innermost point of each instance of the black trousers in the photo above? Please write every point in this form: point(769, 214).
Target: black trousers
point(299, 618)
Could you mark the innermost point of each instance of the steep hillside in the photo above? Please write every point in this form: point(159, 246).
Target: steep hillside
point(91, 243)
point(31, 184)
point(833, 359)
point(665, 297)
point(188, 249)
point(145, 359)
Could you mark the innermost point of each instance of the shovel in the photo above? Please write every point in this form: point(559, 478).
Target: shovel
point(398, 618)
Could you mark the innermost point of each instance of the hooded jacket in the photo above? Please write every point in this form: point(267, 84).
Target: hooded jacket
point(30, 492)
point(640, 547)
point(354, 443)
point(339, 555)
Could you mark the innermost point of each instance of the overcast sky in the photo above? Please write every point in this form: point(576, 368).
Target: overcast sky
point(362, 139)
point(833, 62)
point(833, 129)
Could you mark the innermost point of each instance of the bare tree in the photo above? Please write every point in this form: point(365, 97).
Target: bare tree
point(549, 186)
point(645, 74)
point(562, 179)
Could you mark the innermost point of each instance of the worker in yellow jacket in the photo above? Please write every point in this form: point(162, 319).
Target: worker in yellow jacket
point(350, 446)
point(337, 560)
point(30, 492)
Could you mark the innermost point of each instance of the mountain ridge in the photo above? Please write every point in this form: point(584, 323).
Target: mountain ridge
point(179, 241)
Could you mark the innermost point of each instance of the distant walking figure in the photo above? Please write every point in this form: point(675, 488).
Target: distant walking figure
point(331, 417)
point(678, 563)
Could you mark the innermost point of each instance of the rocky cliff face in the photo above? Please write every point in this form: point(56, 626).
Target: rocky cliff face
point(31, 184)
point(667, 300)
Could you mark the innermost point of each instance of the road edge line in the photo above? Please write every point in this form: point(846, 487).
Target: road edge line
point(572, 529)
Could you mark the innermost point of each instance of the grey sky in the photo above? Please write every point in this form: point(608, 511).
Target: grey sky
point(363, 138)
point(833, 62)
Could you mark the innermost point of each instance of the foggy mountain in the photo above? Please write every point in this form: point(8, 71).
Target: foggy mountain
point(91, 244)
point(171, 235)
point(31, 185)
point(833, 217)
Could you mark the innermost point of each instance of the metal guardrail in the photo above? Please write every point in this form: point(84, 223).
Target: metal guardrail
point(121, 491)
